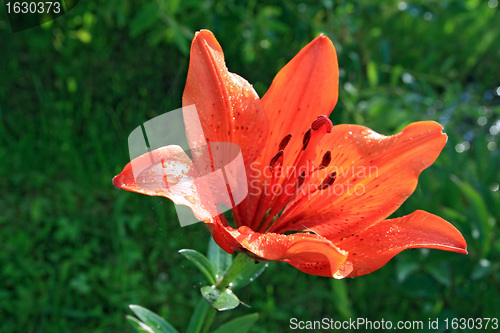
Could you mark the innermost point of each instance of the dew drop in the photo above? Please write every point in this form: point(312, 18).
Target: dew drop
point(190, 199)
point(344, 270)
point(171, 179)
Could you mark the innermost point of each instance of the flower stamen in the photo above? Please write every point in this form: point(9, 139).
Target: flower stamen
point(304, 163)
point(300, 180)
point(285, 142)
point(327, 158)
point(328, 181)
point(276, 160)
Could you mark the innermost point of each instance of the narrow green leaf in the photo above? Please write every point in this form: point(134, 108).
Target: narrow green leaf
point(250, 272)
point(202, 263)
point(372, 73)
point(138, 326)
point(239, 325)
point(441, 274)
point(483, 268)
point(219, 258)
point(155, 322)
point(220, 299)
point(198, 317)
point(476, 201)
point(396, 73)
point(146, 17)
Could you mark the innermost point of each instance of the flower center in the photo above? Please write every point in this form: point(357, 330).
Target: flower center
point(294, 183)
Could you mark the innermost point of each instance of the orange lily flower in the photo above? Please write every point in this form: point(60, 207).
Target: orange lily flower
point(318, 194)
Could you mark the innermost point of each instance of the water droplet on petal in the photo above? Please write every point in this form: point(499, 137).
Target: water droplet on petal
point(344, 270)
point(171, 179)
point(190, 199)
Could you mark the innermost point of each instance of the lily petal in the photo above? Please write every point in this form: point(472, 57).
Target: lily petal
point(170, 173)
point(304, 88)
point(375, 175)
point(309, 253)
point(374, 247)
point(228, 107)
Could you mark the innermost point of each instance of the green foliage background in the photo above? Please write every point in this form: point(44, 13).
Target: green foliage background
point(75, 251)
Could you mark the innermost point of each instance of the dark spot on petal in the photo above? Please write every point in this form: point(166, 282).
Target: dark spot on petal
point(305, 140)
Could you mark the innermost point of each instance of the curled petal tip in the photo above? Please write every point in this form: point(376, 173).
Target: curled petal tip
point(206, 37)
point(117, 181)
point(203, 32)
point(322, 38)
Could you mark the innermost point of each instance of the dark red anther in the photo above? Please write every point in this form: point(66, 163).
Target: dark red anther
point(301, 179)
point(306, 139)
point(285, 141)
point(322, 121)
point(327, 158)
point(276, 160)
point(328, 181)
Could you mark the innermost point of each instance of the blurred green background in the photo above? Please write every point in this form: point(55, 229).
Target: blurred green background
point(75, 251)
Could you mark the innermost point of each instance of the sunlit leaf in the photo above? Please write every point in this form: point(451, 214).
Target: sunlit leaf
point(220, 299)
point(138, 326)
point(156, 323)
point(202, 263)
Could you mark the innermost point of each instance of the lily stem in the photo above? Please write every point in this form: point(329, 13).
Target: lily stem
point(233, 271)
point(209, 317)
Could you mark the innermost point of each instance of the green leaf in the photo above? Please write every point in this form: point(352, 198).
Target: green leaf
point(219, 258)
point(372, 73)
point(482, 269)
point(202, 263)
point(239, 325)
point(476, 201)
point(155, 322)
point(146, 17)
point(220, 299)
point(405, 268)
point(250, 272)
point(198, 317)
point(441, 274)
point(138, 326)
